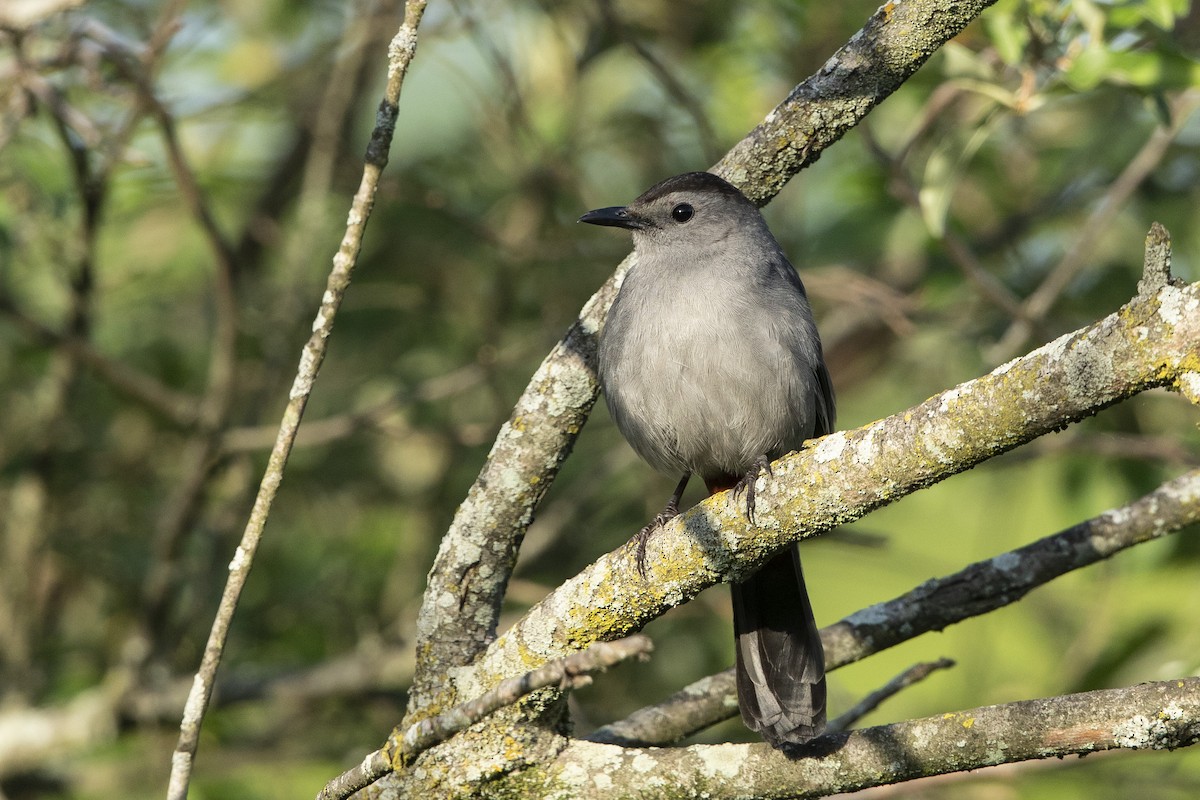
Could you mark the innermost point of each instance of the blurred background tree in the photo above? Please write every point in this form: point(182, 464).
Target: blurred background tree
point(173, 183)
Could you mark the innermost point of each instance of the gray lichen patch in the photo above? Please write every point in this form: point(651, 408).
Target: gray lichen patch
point(1161, 732)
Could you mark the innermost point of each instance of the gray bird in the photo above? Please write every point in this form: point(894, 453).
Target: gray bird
point(711, 364)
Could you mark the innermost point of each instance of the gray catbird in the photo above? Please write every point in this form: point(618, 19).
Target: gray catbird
point(711, 364)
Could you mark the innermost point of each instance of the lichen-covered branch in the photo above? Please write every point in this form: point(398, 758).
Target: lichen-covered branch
point(1154, 716)
point(893, 45)
point(1149, 342)
point(470, 573)
point(936, 604)
point(571, 672)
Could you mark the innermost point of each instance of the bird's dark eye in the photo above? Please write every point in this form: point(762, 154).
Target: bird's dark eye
point(682, 212)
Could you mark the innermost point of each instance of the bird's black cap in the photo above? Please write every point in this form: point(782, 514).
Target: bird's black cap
point(689, 182)
point(627, 217)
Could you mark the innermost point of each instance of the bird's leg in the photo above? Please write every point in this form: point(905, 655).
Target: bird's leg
point(746, 484)
point(669, 512)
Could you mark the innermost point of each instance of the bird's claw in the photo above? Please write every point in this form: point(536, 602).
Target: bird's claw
point(746, 484)
point(670, 512)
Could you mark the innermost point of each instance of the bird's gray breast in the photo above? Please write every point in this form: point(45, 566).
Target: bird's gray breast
point(706, 375)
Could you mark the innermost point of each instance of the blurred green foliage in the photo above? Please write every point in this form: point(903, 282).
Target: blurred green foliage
point(1035, 137)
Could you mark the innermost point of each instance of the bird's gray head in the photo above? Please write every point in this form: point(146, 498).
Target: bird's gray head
point(691, 214)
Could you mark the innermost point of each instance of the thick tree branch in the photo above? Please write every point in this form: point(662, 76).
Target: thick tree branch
point(461, 606)
point(1154, 716)
point(1149, 342)
point(936, 604)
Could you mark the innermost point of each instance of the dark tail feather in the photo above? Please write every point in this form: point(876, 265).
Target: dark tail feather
point(780, 662)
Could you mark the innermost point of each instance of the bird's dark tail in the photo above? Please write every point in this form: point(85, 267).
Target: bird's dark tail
point(780, 661)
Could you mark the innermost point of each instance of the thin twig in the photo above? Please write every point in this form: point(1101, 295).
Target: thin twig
point(1060, 277)
point(570, 672)
point(914, 674)
point(709, 142)
point(400, 55)
point(961, 254)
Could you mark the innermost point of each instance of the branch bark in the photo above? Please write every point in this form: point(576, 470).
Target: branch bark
point(933, 606)
point(571, 672)
point(1157, 716)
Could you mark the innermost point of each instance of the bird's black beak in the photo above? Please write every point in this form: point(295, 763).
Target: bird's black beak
point(614, 217)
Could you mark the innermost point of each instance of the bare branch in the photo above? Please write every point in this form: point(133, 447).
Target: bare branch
point(914, 674)
point(1039, 304)
point(400, 55)
point(1150, 716)
point(975, 590)
point(568, 673)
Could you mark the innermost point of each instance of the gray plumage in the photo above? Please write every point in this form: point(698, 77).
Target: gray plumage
point(710, 361)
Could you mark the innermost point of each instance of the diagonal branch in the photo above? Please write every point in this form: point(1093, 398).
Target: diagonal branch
point(935, 605)
point(400, 55)
point(571, 672)
point(461, 606)
point(910, 677)
point(1150, 342)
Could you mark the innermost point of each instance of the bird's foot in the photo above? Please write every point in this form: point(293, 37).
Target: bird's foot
point(670, 512)
point(746, 484)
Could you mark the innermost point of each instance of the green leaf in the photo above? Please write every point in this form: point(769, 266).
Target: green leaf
point(1090, 17)
point(1009, 35)
point(1163, 13)
point(1089, 69)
